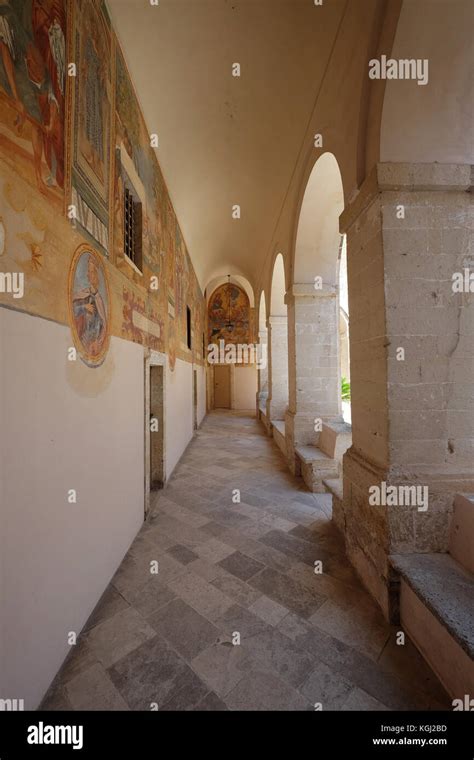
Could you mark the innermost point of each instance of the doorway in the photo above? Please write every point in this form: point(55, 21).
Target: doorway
point(222, 386)
point(157, 476)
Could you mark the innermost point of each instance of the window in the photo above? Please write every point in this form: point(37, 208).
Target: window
point(132, 227)
point(188, 326)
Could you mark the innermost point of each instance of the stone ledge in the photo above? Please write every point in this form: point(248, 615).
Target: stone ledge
point(311, 454)
point(335, 486)
point(445, 588)
point(279, 425)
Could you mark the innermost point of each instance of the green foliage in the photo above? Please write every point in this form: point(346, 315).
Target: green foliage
point(345, 389)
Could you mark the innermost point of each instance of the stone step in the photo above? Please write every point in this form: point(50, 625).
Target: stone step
point(437, 612)
point(316, 466)
point(461, 539)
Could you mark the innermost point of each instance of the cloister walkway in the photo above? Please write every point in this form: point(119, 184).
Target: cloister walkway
point(236, 618)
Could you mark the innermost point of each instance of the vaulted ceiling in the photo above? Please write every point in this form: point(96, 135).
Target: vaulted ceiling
point(227, 140)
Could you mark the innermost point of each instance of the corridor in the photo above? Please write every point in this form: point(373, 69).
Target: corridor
point(236, 618)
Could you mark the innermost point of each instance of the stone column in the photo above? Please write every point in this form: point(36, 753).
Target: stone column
point(411, 339)
point(277, 400)
point(313, 363)
point(262, 392)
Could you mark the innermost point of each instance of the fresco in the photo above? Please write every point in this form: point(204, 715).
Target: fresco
point(229, 304)
point(135, 162)
point(89, 305)
point(92, 120)
point(33, 90)
point(75, 140)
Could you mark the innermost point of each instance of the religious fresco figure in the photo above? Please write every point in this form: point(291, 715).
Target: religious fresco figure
point(33, 77)
point(89, 305)
point(229, 315)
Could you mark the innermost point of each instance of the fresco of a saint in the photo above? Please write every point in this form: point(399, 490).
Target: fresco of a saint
point(89, 306)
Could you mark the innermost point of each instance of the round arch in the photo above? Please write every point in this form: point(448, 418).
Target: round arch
point(317, 239)
point(278, 288)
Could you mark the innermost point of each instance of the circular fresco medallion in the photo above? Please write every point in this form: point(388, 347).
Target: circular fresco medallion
point(89, 305)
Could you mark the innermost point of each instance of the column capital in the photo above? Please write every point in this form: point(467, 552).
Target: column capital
point(406, 177)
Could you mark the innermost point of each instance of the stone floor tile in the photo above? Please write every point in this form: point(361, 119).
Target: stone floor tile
point(185, 629)
point(326, 688)
point(287, 592)
point(237, 619)
point(152, 674)
point(94, 690)
point(241, 566)
point(150, 597)
point(359, 700)
point(236, 589)
point(357, 623)
point(220, 666)
point(211, 703)
point(265, 691)
point(213, 550)
point(118, 635)
point(182, 554)
point(270, 611)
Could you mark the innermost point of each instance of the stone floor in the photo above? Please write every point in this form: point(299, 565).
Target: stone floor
point(236, 617)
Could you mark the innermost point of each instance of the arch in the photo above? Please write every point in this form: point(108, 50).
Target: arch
point(317, 240)
point(236, 279)
point(278, 288)
point(229, 317)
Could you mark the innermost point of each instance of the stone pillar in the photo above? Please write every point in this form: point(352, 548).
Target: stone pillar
point(411, 339)
point(262, 392)
point(277, 400)
point(313, 363)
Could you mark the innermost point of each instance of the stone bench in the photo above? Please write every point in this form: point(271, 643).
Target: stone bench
point(316, 466)
point(437, 612)
point(278, 430)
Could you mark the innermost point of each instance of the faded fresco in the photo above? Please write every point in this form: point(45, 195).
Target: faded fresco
point(79, 143)
point(33, 91)
point(92, 120)
point(89, 305)
point(229, 315)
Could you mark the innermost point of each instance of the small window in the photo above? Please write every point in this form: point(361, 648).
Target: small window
point(188, 326)
point(133, 227)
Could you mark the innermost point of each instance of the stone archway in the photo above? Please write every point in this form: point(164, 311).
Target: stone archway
point(277, 400)
point(313, 321)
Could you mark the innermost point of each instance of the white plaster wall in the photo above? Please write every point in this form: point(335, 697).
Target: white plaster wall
point(63, 426)
point(178, 412)
point(244, 387)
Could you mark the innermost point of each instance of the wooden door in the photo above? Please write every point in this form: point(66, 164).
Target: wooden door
point(222, 386)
